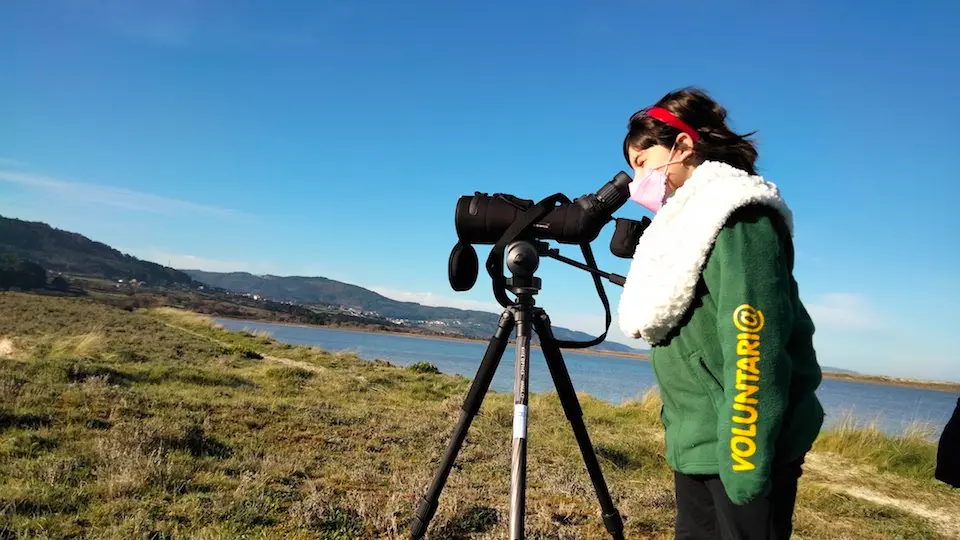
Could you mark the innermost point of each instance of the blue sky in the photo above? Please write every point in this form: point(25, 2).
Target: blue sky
point(335, 138)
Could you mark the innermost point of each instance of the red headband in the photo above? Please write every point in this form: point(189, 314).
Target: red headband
point(668, 118)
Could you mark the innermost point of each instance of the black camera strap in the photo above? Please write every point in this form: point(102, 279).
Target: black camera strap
point(495, 265)
point(602, 293)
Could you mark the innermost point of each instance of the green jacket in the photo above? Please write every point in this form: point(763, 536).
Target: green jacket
point(737, 374)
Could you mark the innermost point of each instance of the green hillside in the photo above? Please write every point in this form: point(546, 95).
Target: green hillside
point(24, 243)
point(320, 290)
point(69, 252)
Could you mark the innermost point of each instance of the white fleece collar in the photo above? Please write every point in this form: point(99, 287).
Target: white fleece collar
point(666, 266)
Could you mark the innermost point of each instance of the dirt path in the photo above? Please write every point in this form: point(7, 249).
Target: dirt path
point(275, 359)
point(6, 348)
point(293, 363)
point(841, 476)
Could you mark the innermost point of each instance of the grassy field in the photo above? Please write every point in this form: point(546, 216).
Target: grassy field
point(158, 424)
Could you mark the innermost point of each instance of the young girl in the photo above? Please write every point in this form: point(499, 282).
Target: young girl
point(711, 289)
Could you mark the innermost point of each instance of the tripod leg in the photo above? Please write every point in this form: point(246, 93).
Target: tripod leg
point(571, 407)
point(518, 469)
point(471, 405)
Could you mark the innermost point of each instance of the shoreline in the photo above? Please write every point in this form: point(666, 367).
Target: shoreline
point(883, 380)
point(634, 356)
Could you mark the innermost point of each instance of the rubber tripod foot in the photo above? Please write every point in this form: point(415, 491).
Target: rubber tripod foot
point(418, 526)
point(614, 524)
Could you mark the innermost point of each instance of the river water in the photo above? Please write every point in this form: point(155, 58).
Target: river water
point(610, 378)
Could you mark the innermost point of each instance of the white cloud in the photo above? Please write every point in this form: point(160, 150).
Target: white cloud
point(15, 163)
point(184, 261)
point(591, 321)
point(432, 299)
point(846, 312)
point(853, 332)
point(73, 191)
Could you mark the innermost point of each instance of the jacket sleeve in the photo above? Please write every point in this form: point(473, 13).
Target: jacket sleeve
point(748, 275)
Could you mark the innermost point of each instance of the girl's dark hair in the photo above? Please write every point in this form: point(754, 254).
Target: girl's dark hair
point(692, 105)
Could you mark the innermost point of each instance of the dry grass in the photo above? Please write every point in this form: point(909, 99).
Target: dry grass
point(170, 427)
point(911, 454)
point(182, 317)
point(87, 345)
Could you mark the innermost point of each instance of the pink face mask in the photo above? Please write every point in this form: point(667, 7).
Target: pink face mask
point(650, 189)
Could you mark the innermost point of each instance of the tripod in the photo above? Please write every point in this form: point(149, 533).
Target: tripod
point(523, 259)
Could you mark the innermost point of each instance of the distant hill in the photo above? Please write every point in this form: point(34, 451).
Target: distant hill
point(76, 255)
point(839, 370)
point(73, 253)
point(321, 291)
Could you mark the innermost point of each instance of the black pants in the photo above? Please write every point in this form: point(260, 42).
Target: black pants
point(948, 451)
point(704, 512)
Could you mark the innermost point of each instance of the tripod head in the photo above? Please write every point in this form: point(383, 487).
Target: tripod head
point(523, 259)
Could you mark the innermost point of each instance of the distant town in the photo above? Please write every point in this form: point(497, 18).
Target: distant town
point(330, 308)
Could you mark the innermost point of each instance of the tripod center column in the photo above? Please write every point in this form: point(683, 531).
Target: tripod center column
point(518, 470)
point(522, 379)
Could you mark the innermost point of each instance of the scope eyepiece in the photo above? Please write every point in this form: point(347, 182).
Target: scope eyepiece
point(610, 197)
